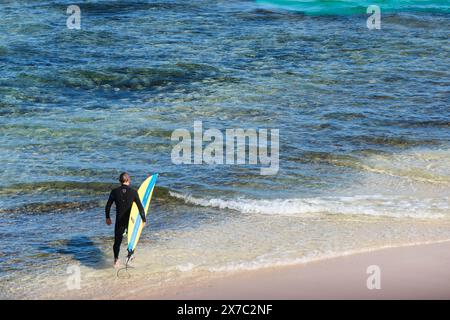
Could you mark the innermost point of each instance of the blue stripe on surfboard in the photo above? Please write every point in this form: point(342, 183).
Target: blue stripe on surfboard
point(138, 218)
point(144, 204)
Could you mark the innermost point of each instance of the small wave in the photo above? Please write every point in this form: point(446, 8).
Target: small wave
point(393, 141)
point(318, 157)
point(52, 207)
point(76, 187)
point(99, 190)
point(445, 124)
point(416, 166)
point(265, 261)
point(91, 188)
point(376, 205)
point(344, 116)
point(410, 174)
point(128, 78)
point(185, 267)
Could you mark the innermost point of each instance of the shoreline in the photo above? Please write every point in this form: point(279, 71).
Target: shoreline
point(407, 271)
point(410, 271)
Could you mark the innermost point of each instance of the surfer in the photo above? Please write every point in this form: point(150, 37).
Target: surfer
point(123, 197)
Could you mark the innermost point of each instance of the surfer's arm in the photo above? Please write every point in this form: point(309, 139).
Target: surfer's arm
point(140, 207)
point(109, 204)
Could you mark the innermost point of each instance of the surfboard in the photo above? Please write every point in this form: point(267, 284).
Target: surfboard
point(135, 224)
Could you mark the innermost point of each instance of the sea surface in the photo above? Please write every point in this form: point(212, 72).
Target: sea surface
point(363, 116)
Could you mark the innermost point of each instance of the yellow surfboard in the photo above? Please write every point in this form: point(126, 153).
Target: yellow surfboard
point(135, 224)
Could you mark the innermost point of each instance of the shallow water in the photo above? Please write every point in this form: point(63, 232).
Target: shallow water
point(363, 118)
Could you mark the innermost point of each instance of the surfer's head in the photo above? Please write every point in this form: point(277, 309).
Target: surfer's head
point(124, 178)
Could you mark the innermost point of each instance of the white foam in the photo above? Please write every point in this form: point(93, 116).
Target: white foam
point(373, 205)
point(185, 267)
point(263, 262)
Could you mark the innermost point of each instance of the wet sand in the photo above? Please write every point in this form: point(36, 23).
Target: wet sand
point(412, 272)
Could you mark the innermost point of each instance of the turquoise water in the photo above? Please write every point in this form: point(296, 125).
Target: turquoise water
point(363, 119)
point(349, 7)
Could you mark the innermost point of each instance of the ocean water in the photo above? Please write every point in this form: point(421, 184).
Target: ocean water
point(363, 115)
point(349, 7)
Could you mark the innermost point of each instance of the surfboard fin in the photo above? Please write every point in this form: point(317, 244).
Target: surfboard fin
point(130, 256)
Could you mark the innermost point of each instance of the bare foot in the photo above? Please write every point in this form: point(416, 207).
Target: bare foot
point(116, 263)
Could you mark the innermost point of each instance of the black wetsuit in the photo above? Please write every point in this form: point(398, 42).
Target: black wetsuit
point(123, 197)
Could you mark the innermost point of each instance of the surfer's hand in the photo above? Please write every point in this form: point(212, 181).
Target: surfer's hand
point(144, 220)
point(108, 221)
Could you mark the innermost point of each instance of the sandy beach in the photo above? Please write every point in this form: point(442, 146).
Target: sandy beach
point(411, 272)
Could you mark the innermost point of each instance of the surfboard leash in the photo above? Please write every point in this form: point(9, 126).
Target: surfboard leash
point(130, 254)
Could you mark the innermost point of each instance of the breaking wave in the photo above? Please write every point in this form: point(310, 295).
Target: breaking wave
point(377, 205)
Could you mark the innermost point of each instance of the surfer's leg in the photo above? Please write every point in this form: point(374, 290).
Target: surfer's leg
point(118, 235)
